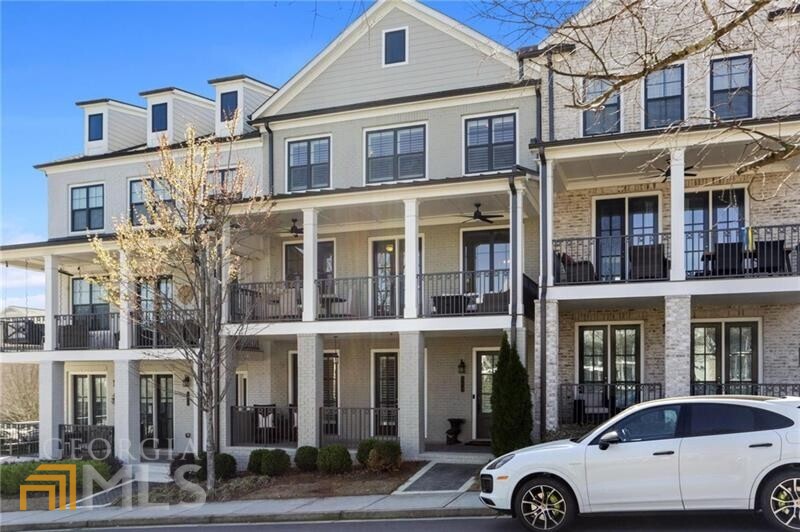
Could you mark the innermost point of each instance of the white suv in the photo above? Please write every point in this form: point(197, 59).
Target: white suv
point(695, 453)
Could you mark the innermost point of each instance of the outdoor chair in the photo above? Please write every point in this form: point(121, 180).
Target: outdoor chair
point(772, 256)
point(728, 258)
point(493, 302)
point(647, 261)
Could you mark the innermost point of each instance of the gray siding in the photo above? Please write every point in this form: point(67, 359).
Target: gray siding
point(436, 61)
point(125, 129)
point(185, 113)
point(252, 100)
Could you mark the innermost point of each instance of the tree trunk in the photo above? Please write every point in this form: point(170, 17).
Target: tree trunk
point(211, 449)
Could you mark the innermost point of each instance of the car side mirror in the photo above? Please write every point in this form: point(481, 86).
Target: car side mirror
point(607, 439)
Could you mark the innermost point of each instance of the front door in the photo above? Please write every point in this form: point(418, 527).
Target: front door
point(384, 289)
point(164, 410)
point(706, 347)
point(625, 354)
point(156, 411)
point(385, 422)
point(609, 231)
point(741, 345)
point(485, 364)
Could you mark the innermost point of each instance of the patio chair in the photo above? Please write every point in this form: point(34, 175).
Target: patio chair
point(493, 303)
point(772, 256)
point(342, 305)
point(264, 423)
point(287, 300)
point(647, 261)
point(728, 258)
point(576, 271)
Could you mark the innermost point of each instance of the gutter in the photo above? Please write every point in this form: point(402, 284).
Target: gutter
point(271, 163)
point(514, 265)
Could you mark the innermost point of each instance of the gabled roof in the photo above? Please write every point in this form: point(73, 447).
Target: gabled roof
point(361, 25)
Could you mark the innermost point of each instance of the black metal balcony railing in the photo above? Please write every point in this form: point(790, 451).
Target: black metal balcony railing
point(87, 331)
point(360, 297)
point(591, 404)
point(464, 293)
point(164, 328)
point(19, 439)
point(349, 426)
point(743, 252)
point(612, 259)
point(746, 388)
point(86, 441)
point(264, 302)
point(264, 425)
point(22, 334)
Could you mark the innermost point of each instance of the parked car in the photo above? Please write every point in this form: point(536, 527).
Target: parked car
point(695, 453)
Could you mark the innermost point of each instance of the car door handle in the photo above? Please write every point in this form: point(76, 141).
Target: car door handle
point(757, 445)
point(664, 453)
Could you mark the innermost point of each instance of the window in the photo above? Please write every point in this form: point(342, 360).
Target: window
point(309, 164)
point(487, 258)
point(138, 199)
point(659, 423)
point(241, 389)
point(99, 398)
point(89, 399)
point(80, 399)
point(605, 119)
point(330, 383)
point(725, 353)
point(228, 102)
point(622, 224)
point(95, 127)
point(394, 47)
point(491, 144)
point(87, 207)
point(663, 97)
point(88, 298)
point(159, 117)
point(395, 154)
point(294, 261)
point(732, 87)
point(710, 218)
point(610, 354)
point(711, 419)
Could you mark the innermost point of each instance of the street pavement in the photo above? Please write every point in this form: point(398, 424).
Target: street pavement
point(734, 522)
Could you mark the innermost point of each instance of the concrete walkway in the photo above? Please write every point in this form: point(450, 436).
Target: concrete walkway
point(394, 506)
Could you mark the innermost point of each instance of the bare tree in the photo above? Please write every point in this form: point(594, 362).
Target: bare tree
point(614, 45)
point(200, 205)
point(19, 400)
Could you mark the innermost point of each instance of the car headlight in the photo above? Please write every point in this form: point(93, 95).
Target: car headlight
point(500, 462)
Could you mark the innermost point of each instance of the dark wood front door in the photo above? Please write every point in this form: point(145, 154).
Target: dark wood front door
point(156, 411)
point(485, 364)
point(385, 423)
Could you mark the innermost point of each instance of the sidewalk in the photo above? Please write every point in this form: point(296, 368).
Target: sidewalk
point(398, 505)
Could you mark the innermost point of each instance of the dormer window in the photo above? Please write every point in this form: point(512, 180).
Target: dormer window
point(159, 117)
point(395, 47)
point(228, 102)
point(95, 127)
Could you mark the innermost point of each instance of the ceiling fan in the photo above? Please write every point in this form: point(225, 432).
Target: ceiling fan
point(666, 173)
point(294, 230)
point(478, 215)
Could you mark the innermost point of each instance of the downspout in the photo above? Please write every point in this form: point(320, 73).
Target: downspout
point(514, 254)
point(271, 163)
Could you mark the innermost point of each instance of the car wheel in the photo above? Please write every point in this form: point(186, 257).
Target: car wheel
point(544, 503)
point(780, 500)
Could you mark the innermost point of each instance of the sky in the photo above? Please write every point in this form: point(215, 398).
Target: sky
point(56, 53)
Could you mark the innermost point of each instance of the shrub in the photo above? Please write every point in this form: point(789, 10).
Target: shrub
point(256, 458)
point(13, 475)
point(512, 419)
point(224, 466)
point(364, 447)
point(384, 456)
point(334, 459)
point(275, 462)
point(306, 458)
point(114, 464)
point(180, 460)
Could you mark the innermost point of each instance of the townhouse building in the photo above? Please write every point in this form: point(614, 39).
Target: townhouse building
point(431, 191)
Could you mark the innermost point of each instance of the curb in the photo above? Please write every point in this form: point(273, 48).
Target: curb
point(256, 518)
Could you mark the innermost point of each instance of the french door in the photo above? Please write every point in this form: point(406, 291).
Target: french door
point(724, 357)
point(385, 399)
point(486, 364)
point(156, 411)
point(330, 389)
point(621, 223)
point(609, 358)
point(388, 268)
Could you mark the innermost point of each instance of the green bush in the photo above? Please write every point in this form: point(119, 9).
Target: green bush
point(255, 461)
point(13, 475)
point(364, 447)
point(224, 466)
point(306, 458)
point(275, 462)
point(181, 460)
point(334, 459)
point(385, 456)
point(512, 419)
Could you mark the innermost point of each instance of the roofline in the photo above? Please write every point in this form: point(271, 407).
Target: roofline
point(72, 239)
point(238, 77)
point(127, 152)
point(657, 132)
point(173, 89)
point(529, 52)
point(108, 100)
point(398, 100)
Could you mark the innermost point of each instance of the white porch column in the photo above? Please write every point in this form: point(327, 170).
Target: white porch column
point(310, 217)
point(677, 235)
point(677, 345)
point(411, 258)
point(51, 408)
point(51, 296)
point(309, 388)
point(124, 304)
point(226, 271)
point(546, 184)
point(127, 442)
point(410, 393)
point(520, 244)
point(550, 396)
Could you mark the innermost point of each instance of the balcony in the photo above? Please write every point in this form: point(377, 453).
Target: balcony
point(464, 293)
point(86, 441)
point(164, 328)
point(265, 302)
point(87, 331)
point(595, 403)
point(22, 334)
point(377, 297)
point(264, 425)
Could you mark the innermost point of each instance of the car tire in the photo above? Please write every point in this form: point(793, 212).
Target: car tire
point(545, 504)
point(780, 500)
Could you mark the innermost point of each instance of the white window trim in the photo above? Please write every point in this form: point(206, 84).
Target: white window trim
point(241, 399)
point(753, 81)
point(154, 137)
point(383, 47)
point(100, 142)
point(288, 141)
point(475, 387)
point(372, 384)
point(293, 353)
point(370, 262)
point(286, 243)
point(621, 118)
point(70, 406)
point(723, 359)
point(607, 359)
point(175, 380)
point(69, 207)
point(128, 206)
point(463, 230)
point(627, 196)
point(368, 130)
point(685, 97)
point(464, 120)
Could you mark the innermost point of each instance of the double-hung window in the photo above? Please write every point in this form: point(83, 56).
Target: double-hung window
point(606, 119)
point(396, 154)
point(732, 87)
point(663, 97)
point(309, 164)
point(138, 199)
point(95, 127)
point(87, 207)
point(490, 143)
point(88, 298)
